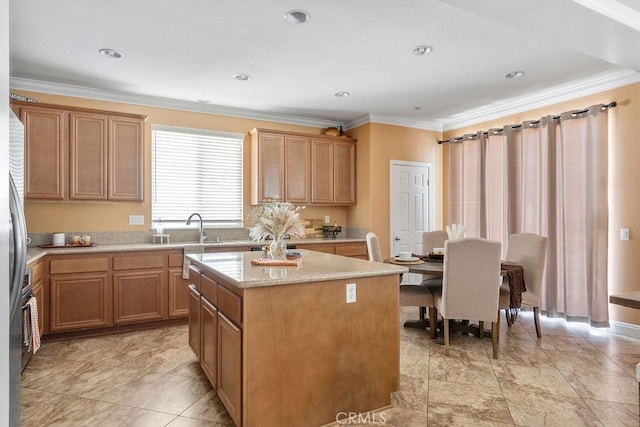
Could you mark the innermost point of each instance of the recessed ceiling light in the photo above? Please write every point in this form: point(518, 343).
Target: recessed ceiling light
point(341, 94)
point(615, 10)
point(514, 75)
point(110, 53)
point(242, 77)
point(296, 16)
point(421, 50)
point(417, 108)
point(203, 101)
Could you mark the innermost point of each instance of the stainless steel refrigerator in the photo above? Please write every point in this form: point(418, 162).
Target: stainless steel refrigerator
point(17, 262)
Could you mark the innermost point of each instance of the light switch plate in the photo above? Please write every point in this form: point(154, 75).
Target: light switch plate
point(136, 219)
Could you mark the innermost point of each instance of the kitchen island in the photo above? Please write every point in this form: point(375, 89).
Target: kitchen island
point(286, 347)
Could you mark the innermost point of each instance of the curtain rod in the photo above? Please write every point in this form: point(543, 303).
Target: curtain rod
point(575, 113)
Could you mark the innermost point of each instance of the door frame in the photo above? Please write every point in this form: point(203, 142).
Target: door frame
point(429, 201)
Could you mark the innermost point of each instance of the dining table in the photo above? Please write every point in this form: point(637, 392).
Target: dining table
point(434, 267)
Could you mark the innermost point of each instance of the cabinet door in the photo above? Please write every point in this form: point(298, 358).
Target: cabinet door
point(178, 294)
point(80, 302)
point(139, 296)
point(229, 367)
point(344, 168)
point(38, 293)
point(297, 167)
point(270, 167)
point(321, 171)
point(209, 340)
point(194, 321)
point(45, 133)
point(88, 156)
point(126, 167)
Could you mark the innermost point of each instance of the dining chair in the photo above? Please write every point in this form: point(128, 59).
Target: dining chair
point(470, 285)
point(410, 295)
point(530, 251)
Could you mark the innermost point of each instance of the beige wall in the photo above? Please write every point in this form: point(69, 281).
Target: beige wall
point(48, 217)
point(624, 181)
point(385, 143)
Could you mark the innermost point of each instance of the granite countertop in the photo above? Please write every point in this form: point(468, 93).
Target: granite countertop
point(37, 252)
point(237, 269)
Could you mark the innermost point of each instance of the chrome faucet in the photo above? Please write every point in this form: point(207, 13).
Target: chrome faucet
point(202, 235)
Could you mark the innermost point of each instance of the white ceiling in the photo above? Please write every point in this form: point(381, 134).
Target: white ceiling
point(176, 53)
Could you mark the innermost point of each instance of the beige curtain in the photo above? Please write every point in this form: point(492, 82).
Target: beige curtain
point(547, 177)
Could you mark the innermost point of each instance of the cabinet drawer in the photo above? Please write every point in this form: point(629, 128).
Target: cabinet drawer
point(36, 272)
point(136, 262)
point(230, 304)
point(352, 249)
point(194, 277)
point(209, 289)
point(329, 249)
point(176, 260)
point(78, 265)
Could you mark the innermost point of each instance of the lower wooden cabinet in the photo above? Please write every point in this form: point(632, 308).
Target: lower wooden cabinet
point(230, 367)
point(139, 296)
point(80, 302)
point(195, 336)
point(209, 340)
point(178, 294)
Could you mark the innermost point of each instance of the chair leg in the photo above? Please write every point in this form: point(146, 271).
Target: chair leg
point(508, 316)
point(495, 335)
point(481, 327)
point(446, 336)
point(433, 322)
point(536, 319)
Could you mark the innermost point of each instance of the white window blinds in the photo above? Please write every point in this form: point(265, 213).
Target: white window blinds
point(196, 171)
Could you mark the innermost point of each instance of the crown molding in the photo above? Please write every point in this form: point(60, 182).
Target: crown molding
point(394, 120)
point(153, 101)
point(565, 92)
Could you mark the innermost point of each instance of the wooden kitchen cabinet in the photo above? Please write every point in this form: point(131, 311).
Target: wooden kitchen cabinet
point(88, 156)
point(333, 164)
point(195, 337)
point(81, 154)
point(229, 367)
point(37, 289)
point(178, 294)
point(209, 340)
point(80, 301)
point(302, 168)
point(45, 154)
point(139, 287)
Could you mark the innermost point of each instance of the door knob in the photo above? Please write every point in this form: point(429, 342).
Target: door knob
point(397, 238)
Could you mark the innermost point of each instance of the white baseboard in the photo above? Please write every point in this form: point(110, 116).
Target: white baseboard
point(622, 328)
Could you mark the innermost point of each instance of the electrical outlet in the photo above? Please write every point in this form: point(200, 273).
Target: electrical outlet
point(351, 293)
point(624, 234)
point(136, 219)
point(327, 219)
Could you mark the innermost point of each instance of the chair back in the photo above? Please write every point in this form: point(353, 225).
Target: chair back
point(433, 239)
point(373, 247)
point(471, 279)
point(530, 251)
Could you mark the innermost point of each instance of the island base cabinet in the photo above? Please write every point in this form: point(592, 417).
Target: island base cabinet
point(308, 355)
point(209, 340)
point(230, 367)
point(80, 302)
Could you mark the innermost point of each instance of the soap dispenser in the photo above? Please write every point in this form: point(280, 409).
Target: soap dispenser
point(159, 227)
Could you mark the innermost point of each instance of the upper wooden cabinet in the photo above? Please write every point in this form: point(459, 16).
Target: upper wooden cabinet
point(302, 169)
point(78, 154)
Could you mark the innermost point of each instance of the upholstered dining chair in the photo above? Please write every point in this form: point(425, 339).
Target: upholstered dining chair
point(410, 295)
point(470, 285)
point(530, 251)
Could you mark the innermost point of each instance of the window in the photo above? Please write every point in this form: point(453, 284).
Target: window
point(196, 171)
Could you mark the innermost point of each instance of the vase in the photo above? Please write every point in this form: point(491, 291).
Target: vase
point(278, 249)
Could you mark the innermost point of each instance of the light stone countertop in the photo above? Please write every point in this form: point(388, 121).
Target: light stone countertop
point(35, 253)
point(237, 269)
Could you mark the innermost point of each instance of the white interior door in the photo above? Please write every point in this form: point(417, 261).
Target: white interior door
point(410, 209)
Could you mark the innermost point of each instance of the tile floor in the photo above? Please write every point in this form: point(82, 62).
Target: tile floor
point(573, 376)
